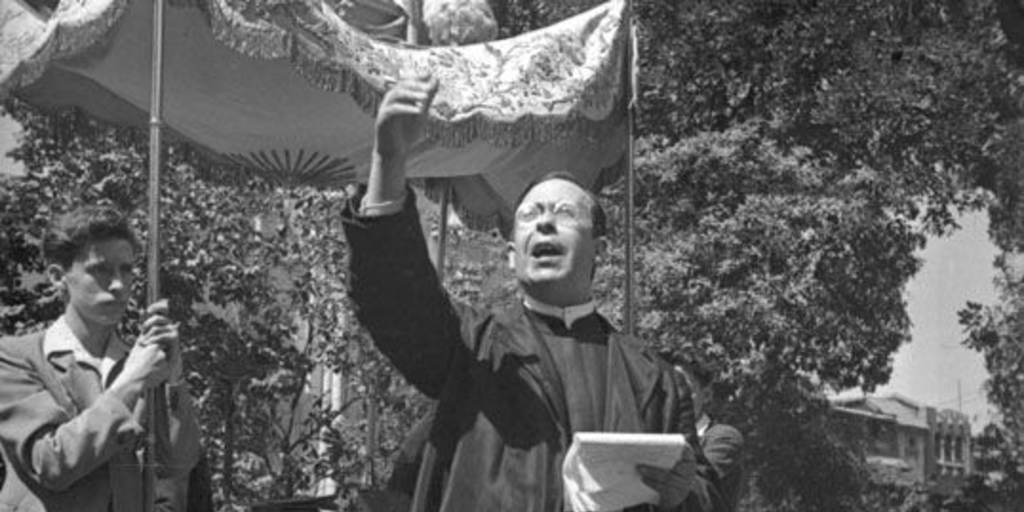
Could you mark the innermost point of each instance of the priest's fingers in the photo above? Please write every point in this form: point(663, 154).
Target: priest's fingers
point(414, 76)
point(432, 86)
point(672, 485)
point(414, 84)
point(687, 461)
point(403, 110)
point(653, 476)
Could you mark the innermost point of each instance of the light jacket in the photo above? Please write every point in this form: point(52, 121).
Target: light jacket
point(67, 448)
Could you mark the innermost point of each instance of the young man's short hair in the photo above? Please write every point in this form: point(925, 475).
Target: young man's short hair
point(596, 210)
point(72, 232)
point(692, 364)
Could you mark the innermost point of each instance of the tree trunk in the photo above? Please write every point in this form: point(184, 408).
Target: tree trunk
point(229, 443)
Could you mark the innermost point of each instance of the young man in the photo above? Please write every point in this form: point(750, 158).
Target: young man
point(71, 408)
point(722, 444)
point(512, 387)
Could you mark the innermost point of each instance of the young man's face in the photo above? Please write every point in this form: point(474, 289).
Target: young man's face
point(553, 248)
point(99, 281)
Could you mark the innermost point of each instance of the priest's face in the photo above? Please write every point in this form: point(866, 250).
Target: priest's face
point(552, 248)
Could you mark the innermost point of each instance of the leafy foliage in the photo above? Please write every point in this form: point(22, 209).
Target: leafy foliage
point(907, 93)
point(994, 330)
point(793, 157)
point(785, 275)
point(999, 477)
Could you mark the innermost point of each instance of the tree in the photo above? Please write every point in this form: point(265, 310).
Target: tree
point(793, 157)
point(787, 279)
point(995, 332)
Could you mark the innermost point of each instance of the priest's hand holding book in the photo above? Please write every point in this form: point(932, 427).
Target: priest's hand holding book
point(673, 485)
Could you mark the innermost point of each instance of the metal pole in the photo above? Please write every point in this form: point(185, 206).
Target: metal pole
point(155, 154)
point(630, 178)
point(153, 253)
point(442, 238)
point(959, 398)
point(371, 434)
point(412, 30)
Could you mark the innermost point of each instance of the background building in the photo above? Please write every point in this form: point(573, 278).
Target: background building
point(908, 442)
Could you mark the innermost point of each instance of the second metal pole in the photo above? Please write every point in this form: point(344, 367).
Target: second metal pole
point(153, 245)
point(628, 314)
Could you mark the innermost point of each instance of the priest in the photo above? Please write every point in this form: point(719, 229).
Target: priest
point(512, 386)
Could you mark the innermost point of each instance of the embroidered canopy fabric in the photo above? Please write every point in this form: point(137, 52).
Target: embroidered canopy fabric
point(287, 89)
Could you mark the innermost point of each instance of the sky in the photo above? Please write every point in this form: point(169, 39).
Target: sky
point(956, 269)
point(929, 369)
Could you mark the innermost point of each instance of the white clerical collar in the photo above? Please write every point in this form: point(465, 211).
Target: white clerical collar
point(568, 315)
point(60, 338)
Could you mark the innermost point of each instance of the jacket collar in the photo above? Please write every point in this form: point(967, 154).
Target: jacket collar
point(59, 342)
point(568, 315)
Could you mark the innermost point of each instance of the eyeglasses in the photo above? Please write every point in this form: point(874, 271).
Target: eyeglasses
point(563, 213)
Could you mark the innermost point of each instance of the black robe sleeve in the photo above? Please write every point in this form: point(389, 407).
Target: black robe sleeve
point(399, 299)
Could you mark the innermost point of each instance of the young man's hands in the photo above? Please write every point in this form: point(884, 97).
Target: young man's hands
point(155, 357)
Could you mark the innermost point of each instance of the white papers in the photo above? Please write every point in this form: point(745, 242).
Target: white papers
point(600, 474)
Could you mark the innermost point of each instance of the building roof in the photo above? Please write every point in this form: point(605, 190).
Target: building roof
point(902, 410)
point(889, 462)
point(865, 413)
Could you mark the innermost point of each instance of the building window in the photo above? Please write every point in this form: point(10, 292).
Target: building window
point(959, 452)
point(938, 446)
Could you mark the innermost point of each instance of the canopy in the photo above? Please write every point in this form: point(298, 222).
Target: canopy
point(287, 89)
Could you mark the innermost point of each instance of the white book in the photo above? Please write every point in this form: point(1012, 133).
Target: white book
point(600, 473)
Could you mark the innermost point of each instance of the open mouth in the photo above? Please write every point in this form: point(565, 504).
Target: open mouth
point(546, 250)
